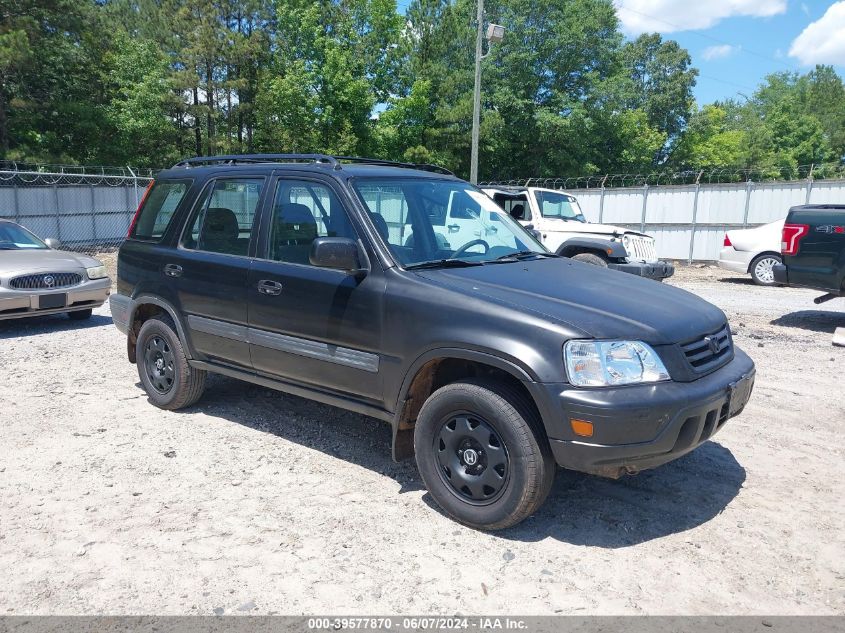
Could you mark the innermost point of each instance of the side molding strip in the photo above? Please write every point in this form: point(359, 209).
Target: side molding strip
point(290, 344)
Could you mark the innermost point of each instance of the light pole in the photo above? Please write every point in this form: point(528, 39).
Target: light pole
point(495, 34)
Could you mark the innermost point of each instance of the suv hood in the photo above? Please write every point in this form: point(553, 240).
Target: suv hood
point(25, 260)
point(572, 226)
point(602, 303)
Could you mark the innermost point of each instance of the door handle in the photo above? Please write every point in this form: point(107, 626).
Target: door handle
point(269, 287)
point(454, 228)
point(172, 270)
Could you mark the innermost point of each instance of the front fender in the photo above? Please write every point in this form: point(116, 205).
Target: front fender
point(612, 249)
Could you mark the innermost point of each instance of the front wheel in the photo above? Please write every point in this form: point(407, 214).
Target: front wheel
point(763, 269)
point(482, 454)
point(592, 258)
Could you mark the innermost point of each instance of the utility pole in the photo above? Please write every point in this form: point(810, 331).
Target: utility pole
point(476, 98)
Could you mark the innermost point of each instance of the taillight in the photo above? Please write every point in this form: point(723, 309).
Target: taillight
point(791, 238)
point(727, 241)
point(138, 210)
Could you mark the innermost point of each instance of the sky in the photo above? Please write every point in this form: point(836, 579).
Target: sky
point(736, 43)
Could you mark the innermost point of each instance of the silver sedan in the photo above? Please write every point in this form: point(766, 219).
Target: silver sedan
point(36, 278)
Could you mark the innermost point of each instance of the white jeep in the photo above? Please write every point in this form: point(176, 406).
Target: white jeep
point(556, 219)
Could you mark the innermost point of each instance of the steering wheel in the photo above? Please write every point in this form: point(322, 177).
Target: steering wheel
point(463, 249)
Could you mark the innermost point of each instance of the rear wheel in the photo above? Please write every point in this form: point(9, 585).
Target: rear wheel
point(80, 315)
point(482, 454)
point(762, 269)
point(591, 258)
point(170, 382)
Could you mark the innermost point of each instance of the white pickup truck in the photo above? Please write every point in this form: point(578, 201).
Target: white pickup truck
point(556, 218)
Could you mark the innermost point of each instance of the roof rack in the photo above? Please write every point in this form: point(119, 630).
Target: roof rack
point(240, 159)
point(393, 163)
point(325, 159)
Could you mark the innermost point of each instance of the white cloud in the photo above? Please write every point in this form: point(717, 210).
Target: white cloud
point(668, 16)
point(805, 8)
point(823, 41)
point(719, 52)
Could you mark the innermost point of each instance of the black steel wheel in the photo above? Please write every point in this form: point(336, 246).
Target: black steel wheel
point(163, 367)
point(483, 454)
point(473, 458)
point(159, 364)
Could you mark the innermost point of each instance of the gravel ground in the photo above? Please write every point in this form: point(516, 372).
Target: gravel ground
point(257, 502)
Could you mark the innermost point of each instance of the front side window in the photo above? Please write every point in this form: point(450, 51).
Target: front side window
point(559, 205)
point(159, 206)
point(303, 211)
point(408, 211)
point(15, 237)
point(223, 222)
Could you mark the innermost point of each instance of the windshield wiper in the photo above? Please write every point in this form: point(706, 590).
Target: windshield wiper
point(520, 255)
point(442, 263)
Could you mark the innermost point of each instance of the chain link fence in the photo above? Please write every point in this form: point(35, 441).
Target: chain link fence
point(88, 209)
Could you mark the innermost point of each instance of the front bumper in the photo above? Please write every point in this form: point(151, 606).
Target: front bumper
point(656, 270)
point(643, 426)
point(15, 304)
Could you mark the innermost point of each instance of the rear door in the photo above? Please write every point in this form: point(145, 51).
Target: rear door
point(210, 268)
point(311, 325)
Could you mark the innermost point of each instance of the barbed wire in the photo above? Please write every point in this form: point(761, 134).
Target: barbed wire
point(40, 174)
point(724, 175)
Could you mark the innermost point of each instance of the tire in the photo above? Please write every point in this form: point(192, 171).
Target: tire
point(509, 449)
point(591, 258)
point(80, 315)
point(170, 382)
point(761, 269)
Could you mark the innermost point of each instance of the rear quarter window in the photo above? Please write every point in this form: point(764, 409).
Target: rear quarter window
point(159, 208)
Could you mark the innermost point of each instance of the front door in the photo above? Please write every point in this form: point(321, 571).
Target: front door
point(210, 268)
point(307, 324)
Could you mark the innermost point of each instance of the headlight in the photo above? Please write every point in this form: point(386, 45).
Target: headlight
point(611, 363)
point(96, 272)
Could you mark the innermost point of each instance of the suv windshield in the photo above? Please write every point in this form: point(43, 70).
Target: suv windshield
point(13, 237)
point(559, 205)
point(430, 221)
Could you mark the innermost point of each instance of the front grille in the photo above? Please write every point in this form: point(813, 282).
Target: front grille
point(710, 351)
point(45, 281)
point(641, 249)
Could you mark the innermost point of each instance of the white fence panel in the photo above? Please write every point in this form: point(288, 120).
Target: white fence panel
point(669, 205)
point(827, 193)
point(622, 206)
point(771, 201)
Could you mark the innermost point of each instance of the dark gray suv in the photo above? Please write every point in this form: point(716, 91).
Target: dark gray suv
point(494, 360)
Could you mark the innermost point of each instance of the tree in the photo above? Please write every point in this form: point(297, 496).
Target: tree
point(658, 78)
point(138, 79)
point(709, 141)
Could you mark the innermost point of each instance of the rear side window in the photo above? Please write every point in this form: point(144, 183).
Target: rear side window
point(158, 209)
point(223, 222)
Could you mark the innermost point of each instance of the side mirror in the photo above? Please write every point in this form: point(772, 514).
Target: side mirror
point(341, 253)
point(53, 243)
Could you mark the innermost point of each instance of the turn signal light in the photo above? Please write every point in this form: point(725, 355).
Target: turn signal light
point(582, 428)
